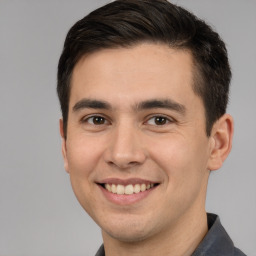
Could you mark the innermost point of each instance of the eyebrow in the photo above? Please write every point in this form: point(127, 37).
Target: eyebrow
point(161, 103)
point(144, 105)
point(90, 103)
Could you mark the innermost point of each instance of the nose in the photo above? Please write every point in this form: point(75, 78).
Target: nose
point(125, 149)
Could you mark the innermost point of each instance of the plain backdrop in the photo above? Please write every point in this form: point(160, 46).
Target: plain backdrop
point(39, 215)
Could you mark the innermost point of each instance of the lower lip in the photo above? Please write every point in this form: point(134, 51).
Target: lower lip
point(126, 199)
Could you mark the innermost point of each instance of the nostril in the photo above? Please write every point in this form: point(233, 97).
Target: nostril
point(123, 164)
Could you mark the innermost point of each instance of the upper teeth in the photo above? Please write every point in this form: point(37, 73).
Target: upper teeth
point(127, 190)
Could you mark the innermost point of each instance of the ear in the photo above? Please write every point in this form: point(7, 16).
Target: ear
point(63, 145)
point(221, 136)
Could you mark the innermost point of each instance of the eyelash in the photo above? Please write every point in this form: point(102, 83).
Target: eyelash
point(86, 120)
point(167, 120)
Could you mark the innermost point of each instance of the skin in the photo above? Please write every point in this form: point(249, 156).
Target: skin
point(128, 142)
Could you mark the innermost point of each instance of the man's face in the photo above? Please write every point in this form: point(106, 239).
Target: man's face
point(135, 122)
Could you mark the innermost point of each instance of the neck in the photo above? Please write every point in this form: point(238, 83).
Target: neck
point(182, 239)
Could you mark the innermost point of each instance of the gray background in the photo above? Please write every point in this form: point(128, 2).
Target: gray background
point(39, 214)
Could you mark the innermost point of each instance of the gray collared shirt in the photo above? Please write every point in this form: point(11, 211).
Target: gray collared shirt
point(216, 242)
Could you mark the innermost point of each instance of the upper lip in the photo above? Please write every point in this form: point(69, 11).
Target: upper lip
point(132, 181)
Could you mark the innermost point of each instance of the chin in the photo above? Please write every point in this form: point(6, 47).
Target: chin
point(128, 231)
point(127, 237)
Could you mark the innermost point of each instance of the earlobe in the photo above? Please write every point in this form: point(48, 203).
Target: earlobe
point(221, 136)
point(63, 145)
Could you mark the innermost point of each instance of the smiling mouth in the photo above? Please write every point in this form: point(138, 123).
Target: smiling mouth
point(129, 189)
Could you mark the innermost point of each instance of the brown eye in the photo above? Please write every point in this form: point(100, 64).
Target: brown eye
point(96, 120)
point(159, 120)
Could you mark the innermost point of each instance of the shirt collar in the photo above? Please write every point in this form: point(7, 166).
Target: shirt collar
point(216, 241)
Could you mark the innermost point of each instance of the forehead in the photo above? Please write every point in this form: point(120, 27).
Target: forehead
point(135, 73)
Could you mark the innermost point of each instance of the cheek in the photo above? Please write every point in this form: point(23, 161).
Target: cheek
point(183, 160)
point(171, 154)
point(182, 163)
point(82, 155)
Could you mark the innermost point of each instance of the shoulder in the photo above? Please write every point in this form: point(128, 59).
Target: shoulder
point(217, 241)
point(101, 251)
point(237, 252)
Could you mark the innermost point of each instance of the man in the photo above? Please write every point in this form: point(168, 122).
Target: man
point(143, 87)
